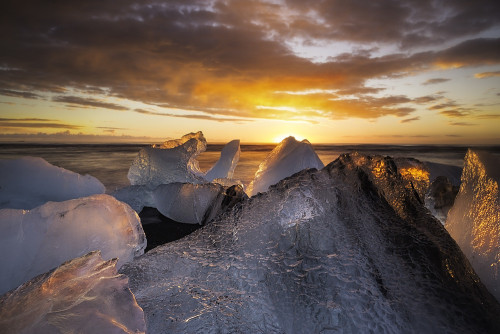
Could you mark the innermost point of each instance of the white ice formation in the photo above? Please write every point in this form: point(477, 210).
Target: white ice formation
point(190, 203)
point(224, 167)
point(286, 159)
point(28, 182)
point(474, 219)
point(173, 161)
point(84, 295)
point(349, 248)
point(42, 238)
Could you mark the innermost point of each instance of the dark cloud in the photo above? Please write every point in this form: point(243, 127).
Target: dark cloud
point(229, 58)
point(87, 102)
point(407, 23)
point(13, 93)
point(408, 120)
point(435, 81)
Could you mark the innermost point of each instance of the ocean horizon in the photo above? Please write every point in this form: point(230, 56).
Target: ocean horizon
point(110, 162)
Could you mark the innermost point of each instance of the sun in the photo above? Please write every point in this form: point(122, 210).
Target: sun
point(280, 137)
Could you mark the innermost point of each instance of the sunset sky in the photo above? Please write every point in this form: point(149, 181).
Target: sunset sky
point(338, 71)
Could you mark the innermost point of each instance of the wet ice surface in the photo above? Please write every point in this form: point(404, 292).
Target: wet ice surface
point(84, 295)
point(28, 182)
point(286, 159)
point(347, 249)
point(43, 238)
point(474, 219)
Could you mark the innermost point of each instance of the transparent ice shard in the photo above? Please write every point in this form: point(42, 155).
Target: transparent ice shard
point(349, 248)
point(224, 167)
point(173, 161)
point(40, 239)
point(28, 182)
point(84, 295)
point(474, 219)
point(286, 159)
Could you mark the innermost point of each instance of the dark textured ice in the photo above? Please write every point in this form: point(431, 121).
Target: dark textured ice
point(347, 249)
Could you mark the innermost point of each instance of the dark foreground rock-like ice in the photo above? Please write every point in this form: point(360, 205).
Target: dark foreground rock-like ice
point(348, 249)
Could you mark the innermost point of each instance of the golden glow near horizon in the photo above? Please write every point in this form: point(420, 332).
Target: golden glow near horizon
point(257, 76)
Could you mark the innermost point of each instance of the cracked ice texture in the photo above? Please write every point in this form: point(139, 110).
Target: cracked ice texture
point(224, 167)
point(173, 161)
point(42, 238)
point(474, 219)
point(349, 248)
point(286, 159)
point(84, 295)
point(28, 182)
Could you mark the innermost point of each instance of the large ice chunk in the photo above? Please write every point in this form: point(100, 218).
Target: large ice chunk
point(224, 167)
point(286, 159)
point(84, 295)
point(28, 182)
point(474, 219)
point(193, 203)
point(33, 242)
point(349, 248)
point(173, 161)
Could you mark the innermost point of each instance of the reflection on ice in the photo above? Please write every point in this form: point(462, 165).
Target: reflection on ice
point(474, 219)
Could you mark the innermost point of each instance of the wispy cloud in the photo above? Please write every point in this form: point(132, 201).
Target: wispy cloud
point(38, 123)
point(408, 120)
point(192, 116)
point(435, 81)
point(14, 93)
point(483, 75)
point(462, 123)
point(87, 102)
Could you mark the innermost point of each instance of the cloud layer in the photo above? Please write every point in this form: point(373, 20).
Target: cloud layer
point(236, 60)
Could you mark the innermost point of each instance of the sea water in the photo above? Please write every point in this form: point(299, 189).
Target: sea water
point(110, 162)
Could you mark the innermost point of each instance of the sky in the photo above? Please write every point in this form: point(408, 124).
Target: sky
point(331, 71)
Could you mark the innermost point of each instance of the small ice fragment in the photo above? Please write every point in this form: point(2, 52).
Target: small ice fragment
point(286, 159)
point(224, 167)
